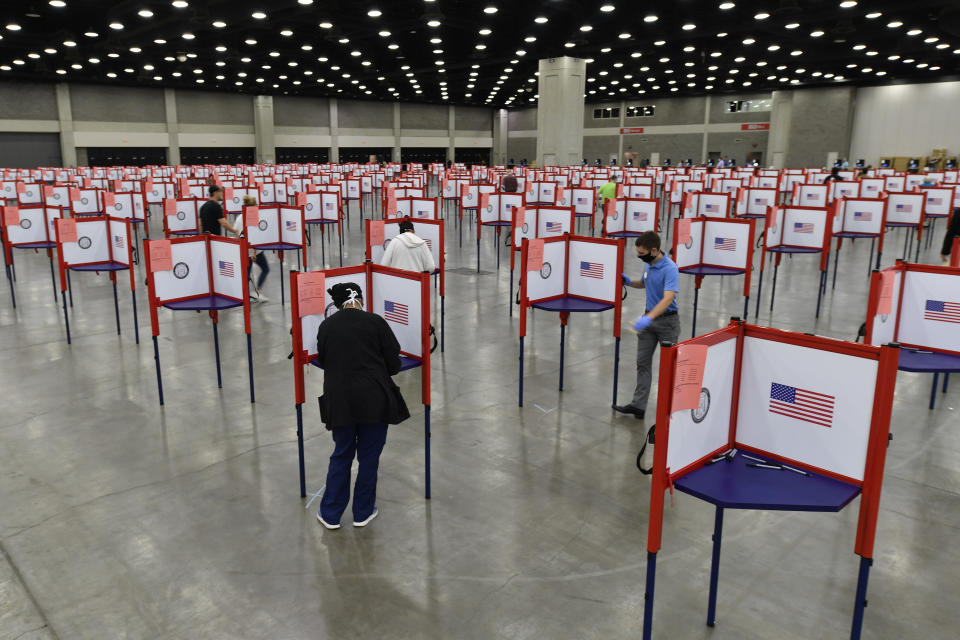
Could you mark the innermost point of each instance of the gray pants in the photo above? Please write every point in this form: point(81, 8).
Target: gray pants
point(662, 329)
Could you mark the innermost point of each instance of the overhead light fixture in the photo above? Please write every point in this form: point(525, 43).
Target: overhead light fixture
point(875, 14)
point(433, 23)
point(219, 24)
point(180, 4)
point(792, 25)
point(914, 32)
point(727, 5)
point(116, 26)
point(650, 18)
point(847, 4)
point(894, 25)
point(540, 20)
point(374, 13)
point(607, 8)
point(689, 26)
point(816, 34)
point(258, 15)
point(763, 15)
point(326, 25)
point(145, 13)
point(91, 34)
point(490, 10)
point(57, 3)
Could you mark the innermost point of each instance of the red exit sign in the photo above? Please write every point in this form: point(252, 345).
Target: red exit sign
point(631, 129)
point(755, 126)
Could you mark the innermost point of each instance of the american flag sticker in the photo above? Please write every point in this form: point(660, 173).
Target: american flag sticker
point(803, 227)
point(422, 213)
point(760, 201)
point(801, 404)
point(328, 205)
point(640, 216)
point(809, 195)
point(942, 311)
point(429, 243)
point(581, 200)
point(553, 228)
point(395, 312)
point(225, 268)
point(863, 216)
point(290, 225)
point(118, 242)
point(711, 208)
point(904, 208)
point(591, 269)
point(935, 201)
point(725, 244)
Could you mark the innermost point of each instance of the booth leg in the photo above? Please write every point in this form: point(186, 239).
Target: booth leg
point(136, 324)
point(53, 279)
point(498, 249)
point(746, 307)
point(340, 238)
point(510, 301)
point(282, 291)
point(66, 318)
point(69, 288)
point(303, 481)
point(773, 287)
point(116, 305)
point(715, 567)
point(933, 389)
point(426, 447)
point(563, 330)
point(917, 257)
point(323, 253)
point(907, 241)
point(870, 261)
point(156, 360)
point(836, 262)
point(13, 295)
point(648, 595)
point(443, 320)
point(519, 385)
point(756, 312)
point(460, 229)
point(216, 349)
point(696, 298)
point(879, 256)
point(823, 283)
point(478, 255)
point(946, 379)
point(253, 398)
point(861, 602)
point(616, 368)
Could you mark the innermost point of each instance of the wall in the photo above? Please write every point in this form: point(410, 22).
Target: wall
point(29, 150)
point(906, 120)
point(821, 122)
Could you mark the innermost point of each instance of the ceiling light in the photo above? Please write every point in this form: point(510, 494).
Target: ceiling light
point(250, 41)
point(773, 47)
point(305, 1)
point(624, 36)
point(816, 34)
point(796, 52)
point(57, 3)
point(727, 5)
point(792, 25)
point(659, 43)
point(51, 51)
point(384, 34)
point(763, 15)
point(481, 47)
point(943, 45)
point(286, 33)
point(859, 47)
point(180, 4)
point(914, 32)
point(689, 26)
point(393, 46)
point(748, 41)
point(846, 4)
point(91, 34)
point(689, 48)
point(931, 39)
point(569, 45)
point(540, 20)
point(159, 41)
point(894, 24)
point(374, 13)
point(650, 18)
point(135, 49)
point(145, 13)
point(326, 25)
point(69, 43)
point(188, 36)
point(529, 39)
point(117, 26)
point(875, 14)
point(258, 15)
point(490, 10)
point(433, 23)
point(586, 27)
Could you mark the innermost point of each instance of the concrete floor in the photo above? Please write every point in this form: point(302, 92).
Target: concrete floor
point(119, 519)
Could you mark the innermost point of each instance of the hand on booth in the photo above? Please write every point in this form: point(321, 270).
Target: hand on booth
point(626, 279)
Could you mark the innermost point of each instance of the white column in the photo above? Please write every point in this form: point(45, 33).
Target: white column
point(781, 115)
point(396, 132)
point(501, 129)
point(68, 145)
point(560, 113)
point(173, 126)
point(334, 131)
point(452, 132)
point(623, 116)
point(263, 129)
point(706, 128)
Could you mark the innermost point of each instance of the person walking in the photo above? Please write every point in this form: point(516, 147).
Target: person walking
point(212, 217)
point(660, 322)
point(358, 353)
point(409, 251)
point(258, 258)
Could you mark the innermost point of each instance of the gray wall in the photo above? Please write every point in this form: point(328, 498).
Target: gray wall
point(425, 116)
point(208, 107)
point(520, 148)
point(470, 119)
point(719, 112)
point(738, 145)
point(28, 101)
point(360, 114)
point(29, 150)
point(821, 121)
point(522, 119)
point(289, 111)
point(105, 103)
point(602, 147)
point(670, 111)
point(677, 147)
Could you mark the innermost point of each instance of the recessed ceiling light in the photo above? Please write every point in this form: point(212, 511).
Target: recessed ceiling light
point(250, 41)
point(650, 18)
point(393, 46)
point(117, 26)
point(858, 47)
point(490, 10)
point(374, 13)
point(796, 52)
point(727, 5)
point(914, 32)
point(763, 15)
point(91, 34)
point(433, 23)
point(792, 25)
point(659, 43)
point(326, 25)
point(145, 13)
point(875, 14)
point(894, 24)
point(586, 27)
point(13, 27)
point(57, 3)
point(50, 51)
point(689, 26)
point(846, 4)
point(748, 41)
point(188, 36)
point(180, 4)
point(816, 34)
point(624, 36)
point(931, 39)
point(773, 47)
point(569, 45)
point(540, 20)
point(135, 49)
point(69, 43)
point(305, 1)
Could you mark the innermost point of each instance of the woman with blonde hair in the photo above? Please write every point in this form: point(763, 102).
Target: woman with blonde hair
point(261, 261)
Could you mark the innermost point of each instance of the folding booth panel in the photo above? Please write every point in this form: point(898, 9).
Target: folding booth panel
point(728, 185)
point(36, 226)
point(120, 240)
point(227, 266)
point(128, 205)
point(291, 226)
point(871, 187)
point(86, 202)
point(640, 215)
point(939, 201)
point(398, 300)
point(186, 219)
point(431, 231)
point(267, 229)
point(803, 227)
point(234, 204)
point(274, 193)
point(92, 244)
point(417, 208)
point(905, 208)
point(554, 221)
point(57, 196)
point(30, 193)
point(894, 183)
point(713, 205)
point(319, 205)
point(688, 254)
point(790, 405)
point(883, 327)
point(549, 281)
point(757, 200)
point(913, 180)
point(593, 270)
point(644, 191)
point(858, 215)
point(930, 310)
point(524, 227)
point(841, 189)
point(810, 195)
point(189, 276)
point(726, 243)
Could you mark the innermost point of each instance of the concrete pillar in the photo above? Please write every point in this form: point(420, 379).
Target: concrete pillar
point(623, 116)
point(173, 126)
point(263, 129)
point(396, 132)
point(452, 132)
point(706, 127)
point(560, 116)
point(334, 132)
point(781, 115)
point(501, 129)
point(68, 145)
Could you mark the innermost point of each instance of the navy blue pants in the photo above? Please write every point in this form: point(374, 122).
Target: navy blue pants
point(366, 442)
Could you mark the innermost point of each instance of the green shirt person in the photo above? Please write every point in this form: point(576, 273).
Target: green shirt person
point(608, 191)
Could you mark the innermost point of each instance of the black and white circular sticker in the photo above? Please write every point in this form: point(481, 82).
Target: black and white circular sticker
point(181, 270)
point(546, 270)
point(698, 414)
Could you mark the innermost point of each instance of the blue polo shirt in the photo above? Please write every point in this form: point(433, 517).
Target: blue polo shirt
point(658, 277)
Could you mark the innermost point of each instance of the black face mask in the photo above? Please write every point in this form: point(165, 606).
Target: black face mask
point(648, 258)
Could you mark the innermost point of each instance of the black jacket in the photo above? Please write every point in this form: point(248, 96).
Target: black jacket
point(358, 353)
point(953, 230)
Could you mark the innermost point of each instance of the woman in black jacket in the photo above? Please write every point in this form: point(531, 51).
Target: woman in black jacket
point(358, 353)
point(953, 231)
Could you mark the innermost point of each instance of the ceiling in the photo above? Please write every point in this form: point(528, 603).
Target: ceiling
point(483, 53)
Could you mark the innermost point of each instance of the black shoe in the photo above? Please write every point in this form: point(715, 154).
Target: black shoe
point(630, 410)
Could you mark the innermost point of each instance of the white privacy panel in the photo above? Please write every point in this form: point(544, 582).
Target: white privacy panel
point(91, 245)
point(227, 269)
point(688, 253)
point(726, 244)
point(35, 225)
point(860, 216)
point(267, 230)
point(593, 271)
point(885, 325)
point(640, 214)
point(189, 276)
point(186, 218)
point(119, 241)
point(291, 225)
point(904, 208)
point(939, 201)
point(548, 282)
point(527, 228)
point(87, 202)
point(398, 301)
point(804, 227)
point(552, 223)
point(930, 310)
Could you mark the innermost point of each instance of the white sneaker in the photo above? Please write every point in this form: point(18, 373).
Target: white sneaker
point(325, 523)
point(262, 298)
point(364, 523)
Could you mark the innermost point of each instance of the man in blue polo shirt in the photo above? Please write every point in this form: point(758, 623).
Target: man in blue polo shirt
point(660, 322)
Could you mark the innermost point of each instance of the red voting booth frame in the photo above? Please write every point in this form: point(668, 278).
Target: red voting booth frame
point(47, 243)
point(869, 487)
point(839, 211)
point(210, 301)
point(703, 269)
point(110, 265)
point(440, 273)
point(577, 303)
point(914, 357)
point(280, 246)
point(301, 201)
point(517, 224)
point(302, 358)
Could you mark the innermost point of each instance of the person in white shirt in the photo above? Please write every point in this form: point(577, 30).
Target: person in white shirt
point(409, 251)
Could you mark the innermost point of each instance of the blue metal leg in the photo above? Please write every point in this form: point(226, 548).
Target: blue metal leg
point(156, 359)
point(823, 284)
point(773, 288)
point(648, 595)
point(715, 567)
point(879, 256)
point(13, 295)
point(340, 238)
point(53, 279)
point(870, 261)
point(136, 324)
point(303, 482)
point(323, 252)
point(520, 385)
point(861, 602)
point(443, 320)
point(66, 318)
point(510, 301)
point(216, 349)
point(563, 331)
point(933, 389)
point(746, 307)
point(426, 446)
point(478, 255)
point(69, 288)
point(253, 398)
point(282, 295)
point(836, 261)
point(696, 298)
point(616, 369)
point(116, 306)
point(756, 312)
point(498, 249)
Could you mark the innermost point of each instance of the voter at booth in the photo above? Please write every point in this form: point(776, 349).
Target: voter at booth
point(358, 353)
point(953, 231)
point(509, 183)
point(660, 322)
point(258, 258)
point(608, 190)
point(409, 251)
point(212, 217)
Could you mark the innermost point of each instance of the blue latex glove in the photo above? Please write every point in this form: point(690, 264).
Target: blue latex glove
point(641, 323)
point(626, 279)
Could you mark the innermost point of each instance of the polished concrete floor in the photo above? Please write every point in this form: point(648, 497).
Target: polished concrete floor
point(122, 519)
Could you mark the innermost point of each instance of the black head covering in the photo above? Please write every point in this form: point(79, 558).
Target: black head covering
point(405, 226)
point(344, 291)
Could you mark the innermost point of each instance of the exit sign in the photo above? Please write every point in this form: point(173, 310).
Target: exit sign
point(631, 129)
point(755, 126)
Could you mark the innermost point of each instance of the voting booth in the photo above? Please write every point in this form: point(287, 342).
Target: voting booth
point(322, 208)
point(855, 218)
point(918, 307)
point(906, 210)
point(276, 228)
point(630, 217)
point(402, 298)
point(536, 222)
point(28, 228)
point(380, 233)
point(181, 216)
point(710, 247)
point(810, 195)
point(707, 204)
point(96, 244)
point(571, 274)
point(200, 273)
point(739, 430)
point(752, 202)
point(584, 199)
point(796, 230)
point(496, 211)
